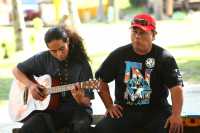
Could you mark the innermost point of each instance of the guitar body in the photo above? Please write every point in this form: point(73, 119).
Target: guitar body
point(21, 102)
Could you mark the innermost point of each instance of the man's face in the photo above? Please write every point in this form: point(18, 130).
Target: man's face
point(59, 49)
point(141, 40)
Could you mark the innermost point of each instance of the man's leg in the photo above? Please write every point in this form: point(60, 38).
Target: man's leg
point(157, 122)
point(130, 120)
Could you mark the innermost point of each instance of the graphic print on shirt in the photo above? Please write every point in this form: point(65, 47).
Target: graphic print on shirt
point(138, 86)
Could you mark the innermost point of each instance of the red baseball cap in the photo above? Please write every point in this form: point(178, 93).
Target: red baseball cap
point(144, 21)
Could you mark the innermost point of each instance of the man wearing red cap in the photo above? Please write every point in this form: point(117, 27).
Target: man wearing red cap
point(143, 73)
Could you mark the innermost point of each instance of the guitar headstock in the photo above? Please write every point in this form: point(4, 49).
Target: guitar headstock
point(91, 84)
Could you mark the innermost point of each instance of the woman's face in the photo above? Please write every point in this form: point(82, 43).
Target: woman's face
point(59, 49)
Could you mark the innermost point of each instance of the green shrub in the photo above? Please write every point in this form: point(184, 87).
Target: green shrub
point(138, 3)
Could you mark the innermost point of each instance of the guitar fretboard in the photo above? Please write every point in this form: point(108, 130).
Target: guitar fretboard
point(62, 88)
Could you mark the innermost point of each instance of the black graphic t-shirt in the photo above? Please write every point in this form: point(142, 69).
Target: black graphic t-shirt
point(61, 72)
point(141, 80)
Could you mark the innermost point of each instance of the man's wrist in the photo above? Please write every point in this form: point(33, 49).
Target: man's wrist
point(108, 106)
point(176, 114)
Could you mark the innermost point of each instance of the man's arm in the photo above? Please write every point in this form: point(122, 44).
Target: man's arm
point(112, 109)
point(20, 76)
point(174, 122)
point(34, 88)
point(177, 100)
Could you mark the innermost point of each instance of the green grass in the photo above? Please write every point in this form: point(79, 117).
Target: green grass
point(188, 61)
point(189, 65)
point(5, 80)
point(9, 46)
point(190, 68)
point(5, 87)
point(186, 47)
point(7, 65)
point(97, 59)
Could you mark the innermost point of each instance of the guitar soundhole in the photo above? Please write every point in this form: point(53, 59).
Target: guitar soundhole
point(55, 98)
point(25, 97)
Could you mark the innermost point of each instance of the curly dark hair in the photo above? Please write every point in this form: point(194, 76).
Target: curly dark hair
point(77, 51)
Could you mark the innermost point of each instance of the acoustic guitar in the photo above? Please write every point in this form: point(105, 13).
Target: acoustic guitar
point(22, 104)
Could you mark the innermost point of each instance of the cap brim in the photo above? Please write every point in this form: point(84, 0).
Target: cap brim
point(145, 28)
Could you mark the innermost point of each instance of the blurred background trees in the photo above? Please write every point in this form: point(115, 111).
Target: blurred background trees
point(38, 13)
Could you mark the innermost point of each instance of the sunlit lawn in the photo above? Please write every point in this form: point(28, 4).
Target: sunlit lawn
point(188, 58)
point(188, 63)
point(190, 68)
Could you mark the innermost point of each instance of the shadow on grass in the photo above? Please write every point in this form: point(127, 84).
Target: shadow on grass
point(5, 84)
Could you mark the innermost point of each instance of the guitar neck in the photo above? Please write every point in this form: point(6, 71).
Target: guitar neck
point(62, 88)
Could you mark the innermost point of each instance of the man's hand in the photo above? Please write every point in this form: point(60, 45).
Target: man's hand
point(37, 91)
point(174, 124)
point(115, 111)
point(79, 96)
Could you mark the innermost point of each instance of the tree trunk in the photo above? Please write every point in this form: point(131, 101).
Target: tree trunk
point(113, 11)
point(169, 7)
point(18, 23)
point(100, 11)
point(116, 11)
point(73, 13)
point(158, 9)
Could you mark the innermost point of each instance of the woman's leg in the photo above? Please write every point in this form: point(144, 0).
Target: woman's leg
point(81, 121)
point(38, 123)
